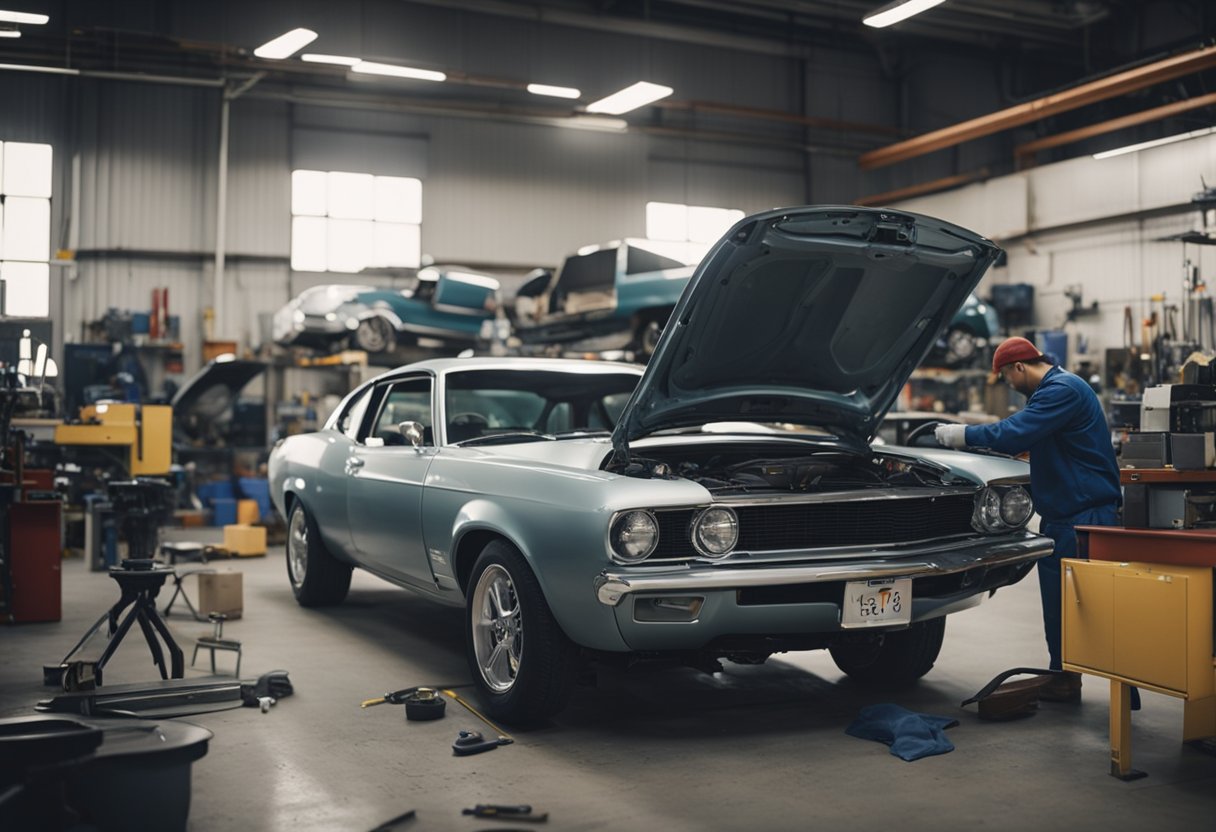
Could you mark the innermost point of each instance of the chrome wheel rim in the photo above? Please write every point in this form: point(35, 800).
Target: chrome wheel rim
point(497, 628)
point(297, 547)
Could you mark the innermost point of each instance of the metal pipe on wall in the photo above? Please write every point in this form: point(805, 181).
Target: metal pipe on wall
point(221, 220)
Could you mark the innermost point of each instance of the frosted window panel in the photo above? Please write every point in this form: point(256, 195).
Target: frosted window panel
point(308, 193)
point(351, 244)
point(308, 244)
point(351, 195)
point(398, 199)
point(707, 225)
point(397, 244)
point(27, 169)
point(666, 221)
point(27, 228)
point(27, 289)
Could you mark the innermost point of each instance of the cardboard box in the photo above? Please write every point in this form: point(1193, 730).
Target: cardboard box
point(221, 592)
point(247, 512)
point(245, 541)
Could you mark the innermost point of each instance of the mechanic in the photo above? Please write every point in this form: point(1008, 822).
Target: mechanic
point(1074, 477)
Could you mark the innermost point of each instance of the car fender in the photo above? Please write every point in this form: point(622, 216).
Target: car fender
point(565, 576)
point(380, 311)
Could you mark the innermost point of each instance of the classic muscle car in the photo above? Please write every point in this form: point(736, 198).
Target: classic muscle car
point(446, 303)
point(580, 509)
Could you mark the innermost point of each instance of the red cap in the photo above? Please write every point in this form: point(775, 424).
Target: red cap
point(1011, 350)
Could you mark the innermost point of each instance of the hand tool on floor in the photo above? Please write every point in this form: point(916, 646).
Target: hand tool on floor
point(398, 697)
point(394, 822)
point(473, 742)
point(493, 810)
point(503, 737)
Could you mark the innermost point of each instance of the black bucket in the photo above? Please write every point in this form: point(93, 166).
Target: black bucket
point(107, 774)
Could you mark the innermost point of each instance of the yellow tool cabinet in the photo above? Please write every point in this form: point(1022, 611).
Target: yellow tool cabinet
point(1144, 624)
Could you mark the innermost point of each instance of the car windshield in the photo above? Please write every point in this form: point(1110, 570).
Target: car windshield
point(488, 403)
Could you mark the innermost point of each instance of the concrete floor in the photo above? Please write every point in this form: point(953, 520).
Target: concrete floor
point(750, 748)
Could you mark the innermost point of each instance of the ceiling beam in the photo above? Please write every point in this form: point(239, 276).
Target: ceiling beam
point(1111, 86)
point(1028, 149)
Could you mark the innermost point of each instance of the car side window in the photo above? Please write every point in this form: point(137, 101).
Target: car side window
point(406, 401)
point(352, 419)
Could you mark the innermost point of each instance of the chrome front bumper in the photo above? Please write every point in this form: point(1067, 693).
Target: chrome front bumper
point(612, 586)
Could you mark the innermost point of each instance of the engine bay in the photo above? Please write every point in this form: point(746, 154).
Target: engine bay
point(744, 470)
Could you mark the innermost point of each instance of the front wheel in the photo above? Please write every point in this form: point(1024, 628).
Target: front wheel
point(520, 659)
point(892, 659)
point(318, 579)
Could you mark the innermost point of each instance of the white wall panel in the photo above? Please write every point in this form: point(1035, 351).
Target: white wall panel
point(259, 185)
point(149, 155)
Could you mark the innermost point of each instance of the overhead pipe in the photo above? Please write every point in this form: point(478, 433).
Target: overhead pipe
point(923, 188)
point(1024, 151)
point(1102, 89)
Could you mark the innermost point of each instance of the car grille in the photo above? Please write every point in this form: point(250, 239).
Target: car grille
point(775, 527)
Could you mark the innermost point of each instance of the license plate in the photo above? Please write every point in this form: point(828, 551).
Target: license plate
point(877, 603)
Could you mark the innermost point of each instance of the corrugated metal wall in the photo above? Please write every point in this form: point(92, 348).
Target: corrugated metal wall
point(1113, 258)
point(494, 192)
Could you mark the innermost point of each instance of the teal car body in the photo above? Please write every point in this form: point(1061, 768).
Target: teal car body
point(724, 503)
point(445, 303)
point(616, 296)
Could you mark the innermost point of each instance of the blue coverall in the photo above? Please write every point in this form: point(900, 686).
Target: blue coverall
point(1074, 477)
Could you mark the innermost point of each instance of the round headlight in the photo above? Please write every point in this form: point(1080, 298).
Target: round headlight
point(634, 535)
point(1016, 506)
point(715, 531)
point(988, 511)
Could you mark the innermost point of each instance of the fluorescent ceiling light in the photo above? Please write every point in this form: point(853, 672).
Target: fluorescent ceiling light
point(1132, 148)
point(10, 33)
point(556, 92)
point(630, 98)
point(22, 17)
point(612, 125)
point(893, 13)
point(286, 44)
point(340, 60)
point(392, 70)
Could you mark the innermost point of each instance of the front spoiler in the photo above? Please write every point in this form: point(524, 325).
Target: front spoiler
point(611, 587)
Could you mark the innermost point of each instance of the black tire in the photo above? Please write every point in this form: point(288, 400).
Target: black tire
point(375, 335)
point(895, 658)
point(646, 336)
point(533, 678)
point(326, 579)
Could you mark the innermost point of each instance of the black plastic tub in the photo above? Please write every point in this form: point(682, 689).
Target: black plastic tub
point(59, 772)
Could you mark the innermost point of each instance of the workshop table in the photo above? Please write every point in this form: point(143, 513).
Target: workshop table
point(1139, 612)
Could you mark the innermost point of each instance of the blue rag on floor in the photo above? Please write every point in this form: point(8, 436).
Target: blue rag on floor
point(910, 735)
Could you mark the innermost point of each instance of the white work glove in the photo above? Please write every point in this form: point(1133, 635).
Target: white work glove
point(951, 436)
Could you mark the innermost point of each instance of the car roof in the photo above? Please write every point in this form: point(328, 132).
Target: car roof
point(442, 366)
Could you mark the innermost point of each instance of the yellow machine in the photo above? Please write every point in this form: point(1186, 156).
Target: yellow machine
point(146, 430)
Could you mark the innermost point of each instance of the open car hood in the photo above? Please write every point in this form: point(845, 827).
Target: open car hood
point(209, 394)
point(811, 316)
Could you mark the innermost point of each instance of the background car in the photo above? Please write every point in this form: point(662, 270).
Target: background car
point(616, 296)
point(577, 511)
point(964, 342)
point(446, 303)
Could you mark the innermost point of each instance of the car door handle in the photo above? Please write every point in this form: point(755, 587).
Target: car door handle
point(353, 464)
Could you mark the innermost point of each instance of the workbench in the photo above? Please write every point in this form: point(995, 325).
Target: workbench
point(1139, 612)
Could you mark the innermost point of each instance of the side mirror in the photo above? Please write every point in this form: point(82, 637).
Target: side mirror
point(412, 431)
